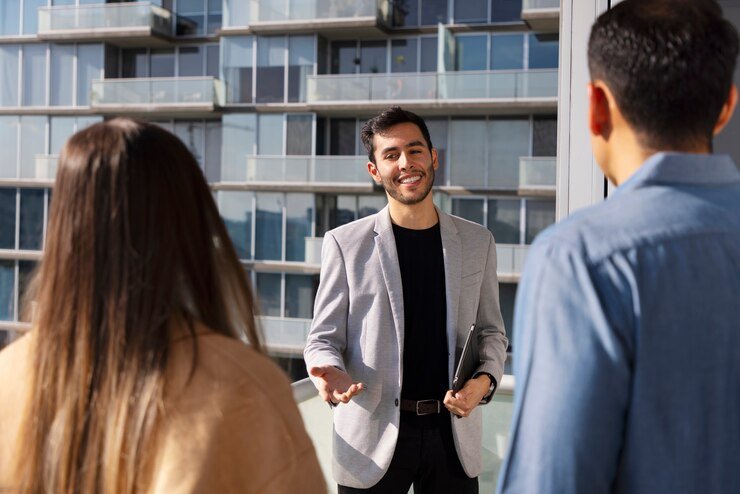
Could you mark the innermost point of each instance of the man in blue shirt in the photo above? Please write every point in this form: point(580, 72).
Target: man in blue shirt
point(627, 321)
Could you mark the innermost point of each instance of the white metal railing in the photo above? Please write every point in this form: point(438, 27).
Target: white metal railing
point(46, 166)
point(308, 169)
point(174, 91)
point(498, 84)
point(110, 16)
point(510, 258)
point(540, 4)
point(307, 10)
point(537, 172)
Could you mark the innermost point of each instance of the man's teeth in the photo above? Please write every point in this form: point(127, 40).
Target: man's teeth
point(410, 180)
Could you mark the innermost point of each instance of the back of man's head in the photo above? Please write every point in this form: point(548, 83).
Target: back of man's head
point(669, 64)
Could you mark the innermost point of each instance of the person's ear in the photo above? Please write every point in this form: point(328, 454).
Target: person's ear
point(599, 116)
point(727, 110)
point(372, 169)
point(435, 157)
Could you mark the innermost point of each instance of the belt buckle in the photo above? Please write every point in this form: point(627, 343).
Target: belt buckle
point(426, 402)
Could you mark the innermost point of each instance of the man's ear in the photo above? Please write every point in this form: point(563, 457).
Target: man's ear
point(727, 110)
point(372, 169)
point(599, 115)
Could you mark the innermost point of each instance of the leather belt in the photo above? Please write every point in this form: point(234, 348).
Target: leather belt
point(422, 407)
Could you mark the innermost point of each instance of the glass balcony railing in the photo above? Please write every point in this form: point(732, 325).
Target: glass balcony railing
point(170, 91)
point(445, 86)
point(313, 250)
point(314, 10)
point(537, 173)
point(308, 169)
point(283, 334)
point(540, 4)
point(46, 166)
point(102, 17)
point(497, 415)
point(510, 259)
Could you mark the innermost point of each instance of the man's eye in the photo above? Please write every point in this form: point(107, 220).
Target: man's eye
point(390, 156)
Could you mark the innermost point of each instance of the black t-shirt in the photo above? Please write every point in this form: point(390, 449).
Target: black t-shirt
point(424, 305)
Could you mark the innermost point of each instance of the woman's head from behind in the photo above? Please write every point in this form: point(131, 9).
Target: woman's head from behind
point(134, 243)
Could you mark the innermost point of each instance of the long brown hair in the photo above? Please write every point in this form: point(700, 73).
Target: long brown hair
point(134, 242)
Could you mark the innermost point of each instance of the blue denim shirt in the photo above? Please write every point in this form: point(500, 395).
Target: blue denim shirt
point(627, 340)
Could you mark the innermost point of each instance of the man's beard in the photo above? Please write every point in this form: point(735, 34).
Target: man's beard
point(395, 192)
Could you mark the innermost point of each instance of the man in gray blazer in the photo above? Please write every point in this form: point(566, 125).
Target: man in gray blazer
point(399, 291)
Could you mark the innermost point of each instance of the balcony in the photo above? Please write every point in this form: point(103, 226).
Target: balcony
point(124, 24)
point(308, 172)
point(542, 15)
point(496, 421)
point(284, 336)
point(537, 175)
point(525, 90)
point(181, 96)
point(46, 166)
point(331, 18)
point(510, 262)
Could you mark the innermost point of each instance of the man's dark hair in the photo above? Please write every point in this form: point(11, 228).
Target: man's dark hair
point(380, 124)
point(669, 64)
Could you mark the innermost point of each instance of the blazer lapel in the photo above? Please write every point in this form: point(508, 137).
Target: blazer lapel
point(388, 255)
point(452, 252)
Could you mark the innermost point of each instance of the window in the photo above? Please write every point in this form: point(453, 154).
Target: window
point(300, 65)
point(428, 55)
point(471, 52)
point(433, 12)
point(134, 63)
point(298, 134)
point(34, 75)
point(544, 136)
point(540, 215)
point(237, 68)
point(508, 140)
point(506, 10)
point(89, 67)
point(298, 219)
point(268, 293)
point(190, 61)
point(543, 51)
point(467, 152)
point(30, 15)
point(162, 63)
point(300, 291)
point(236, 211)
point(471, 11)
point(270, 69)
point(269, 226)
point(7, 218)
point(33, 138)
point(504, 217)
point(403, 55)
point(373, 57)
point(9, 145)
point(239, 134)
point(31, 227)
point(62, 74)
point(8, 74)
point(7, 290)
point(405, 13)
point(507, 51)
point(10, 18)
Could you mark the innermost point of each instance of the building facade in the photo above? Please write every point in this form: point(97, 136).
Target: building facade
point(270, 95)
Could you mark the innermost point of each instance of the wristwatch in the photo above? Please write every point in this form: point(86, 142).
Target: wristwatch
point(491, 388)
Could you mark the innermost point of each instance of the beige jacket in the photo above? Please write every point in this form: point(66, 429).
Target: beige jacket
point(233, 429)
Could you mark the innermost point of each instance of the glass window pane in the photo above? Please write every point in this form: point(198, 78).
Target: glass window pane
point(298, 213)
point(10, 17)
point(62, 74)
point(9, 145)
point(190, 61)
point(342, 137)
point(237, 68)
point(507, 296)
point(470, 209)
point(270, 135)
point(367, 205)
point(192, 134)
point(60, 129)
point(7, 218)
point(238, 140)
point(33, 138)
point(344, 57)
point(470, 52)
point(298, 139)
point(300, 291)
point(470, 11)
point(403, 55)
point(506, 11)
point(270, 69)
point(428, 57)
point(343, 212)
point(545, 136)
point(7, 289)
point(214, 16)
point(236, 211)
point(503, 220)
point(134, 63)
point(237, 13)
point(301, 59)
point(9, 75)
point(433, 12)
point(31, 228)
point(34, 75)
point(373, 57)
point(162, 62)
point(438, 133)
point(405, 13)
point(213, 152)
point(268, 294)
point(269, 228)
point(25, 270)
point(83, 122)
point(89, 67)
point(212, 60)
point(508, 141)
point(31, 15)
point(507, 51)
point(540, 215)
point(543, 51)
point(467, 152)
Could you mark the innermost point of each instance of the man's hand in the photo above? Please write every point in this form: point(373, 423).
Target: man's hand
point(335, 385)
point(464, 401)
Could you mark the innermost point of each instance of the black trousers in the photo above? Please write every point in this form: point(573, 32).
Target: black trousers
point(425, 456)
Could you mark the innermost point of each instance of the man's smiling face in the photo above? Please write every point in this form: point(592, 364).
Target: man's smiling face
point(404, 165)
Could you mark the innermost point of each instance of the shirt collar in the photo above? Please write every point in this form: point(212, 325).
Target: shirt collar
point(683, 168)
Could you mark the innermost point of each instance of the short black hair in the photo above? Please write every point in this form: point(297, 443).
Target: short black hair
point(380, 124)
point(669, 64)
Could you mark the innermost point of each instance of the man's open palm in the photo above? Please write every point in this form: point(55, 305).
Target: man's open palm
point(335, 385)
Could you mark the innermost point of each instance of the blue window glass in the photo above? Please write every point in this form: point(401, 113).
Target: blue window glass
point(433, 12)
point(540, 215)
point(543, 51)
point(236, 212)
point(25, 270)
point(9, 145)
point(405, 13)
point(7, 218)
point(62, 74)
point(31, 227)
point(506, 11)
point(9, 75)
point(89, 67)
point(268, 294)
point(470, 209)
point(300, 291)
point(471, 52)
point(507, 51)
point(301, 58)
point(268, 235)
point(237, 68)
point(428, 55)
point(34, 75)
point(31, 15)
point(270, 69)
point(503, 220)
point(471, 11)
point(298, 215)
point(10, 17)
point(7, 289)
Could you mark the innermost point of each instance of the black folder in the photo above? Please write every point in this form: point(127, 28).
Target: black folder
point(469, 361)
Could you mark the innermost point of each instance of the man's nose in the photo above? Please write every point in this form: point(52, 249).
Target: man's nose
point(404, 162)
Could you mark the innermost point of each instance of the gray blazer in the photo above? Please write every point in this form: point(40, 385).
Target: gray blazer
point(358, 326)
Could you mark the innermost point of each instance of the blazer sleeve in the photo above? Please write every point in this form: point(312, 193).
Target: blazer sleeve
point(492, 341)
point(327, 338)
